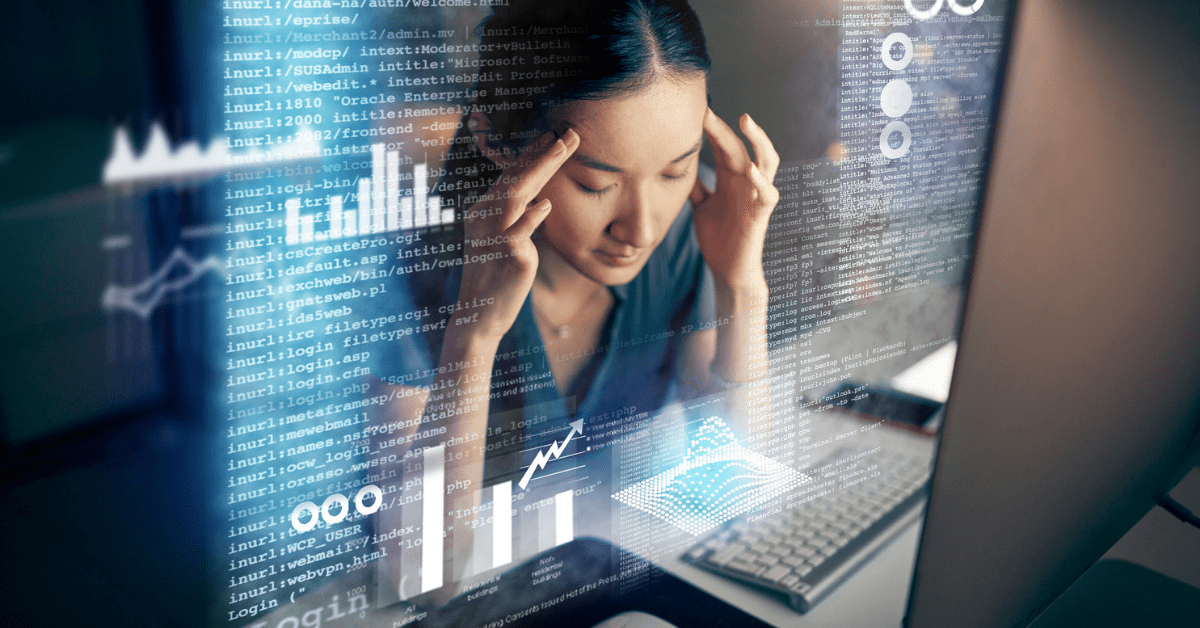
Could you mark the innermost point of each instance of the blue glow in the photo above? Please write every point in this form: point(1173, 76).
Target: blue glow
point(718, 480)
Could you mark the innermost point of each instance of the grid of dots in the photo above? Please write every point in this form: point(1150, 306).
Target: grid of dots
point(718, 480)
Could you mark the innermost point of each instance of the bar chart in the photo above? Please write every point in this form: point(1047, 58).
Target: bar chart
point(379, 209)
point(490, 544)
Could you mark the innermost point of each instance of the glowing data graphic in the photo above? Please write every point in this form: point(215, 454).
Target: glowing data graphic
point(555, 525)
point(380, 207)
point(433, 491)
point(718, 480)
point(502, 524)
point(179, 271)
point(564, 517)
point(552, 453)
point(189, 161)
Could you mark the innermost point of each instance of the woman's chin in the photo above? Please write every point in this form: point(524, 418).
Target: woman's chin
point(602, 271)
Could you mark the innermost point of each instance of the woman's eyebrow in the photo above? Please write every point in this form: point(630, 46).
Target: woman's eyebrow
point(596, 164)
point(691, 151)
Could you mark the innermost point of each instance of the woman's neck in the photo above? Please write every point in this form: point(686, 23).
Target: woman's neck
point(570, 309)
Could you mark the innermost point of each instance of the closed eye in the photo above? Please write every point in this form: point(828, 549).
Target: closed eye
point(597, 193)
point(676, 177)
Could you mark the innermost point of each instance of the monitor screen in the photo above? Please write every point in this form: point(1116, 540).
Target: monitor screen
point(508, 313)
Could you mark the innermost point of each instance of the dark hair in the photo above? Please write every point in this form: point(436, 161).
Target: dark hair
point(536, 55)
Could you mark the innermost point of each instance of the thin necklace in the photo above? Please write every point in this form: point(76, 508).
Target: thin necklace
point(564, 331)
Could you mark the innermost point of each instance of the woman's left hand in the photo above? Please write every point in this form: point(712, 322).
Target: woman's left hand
point(731, 221)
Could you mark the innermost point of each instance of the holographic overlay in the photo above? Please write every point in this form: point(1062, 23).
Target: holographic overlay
point(718, 480)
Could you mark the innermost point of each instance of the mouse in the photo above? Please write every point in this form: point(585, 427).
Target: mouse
point(634, 619)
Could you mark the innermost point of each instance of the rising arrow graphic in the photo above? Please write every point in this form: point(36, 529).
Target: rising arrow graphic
point(555, 450)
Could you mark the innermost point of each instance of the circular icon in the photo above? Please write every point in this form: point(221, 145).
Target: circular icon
point(369, 489)
point(323, 512)
point(892, 64)
point(336, 498)
point(313, 514)
point(961, 10)
point(896, 98)
point(926, 14)
point(905, 141)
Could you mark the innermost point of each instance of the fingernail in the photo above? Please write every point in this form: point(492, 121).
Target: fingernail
point(751, 120)
point(546, 138)
point(570, 136)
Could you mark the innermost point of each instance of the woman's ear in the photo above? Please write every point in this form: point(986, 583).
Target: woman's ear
point(480, 126)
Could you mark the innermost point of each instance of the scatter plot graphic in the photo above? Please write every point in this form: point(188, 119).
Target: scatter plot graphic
point(718, 480)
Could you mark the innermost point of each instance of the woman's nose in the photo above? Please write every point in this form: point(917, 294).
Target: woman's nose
point(634, 224)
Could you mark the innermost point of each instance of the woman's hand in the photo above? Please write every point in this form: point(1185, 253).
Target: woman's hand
point(731, 222)
point(500, 259)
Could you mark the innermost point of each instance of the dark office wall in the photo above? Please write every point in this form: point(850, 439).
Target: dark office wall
point(769, 59)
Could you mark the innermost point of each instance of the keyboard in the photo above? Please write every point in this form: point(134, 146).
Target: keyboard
point(807, 550)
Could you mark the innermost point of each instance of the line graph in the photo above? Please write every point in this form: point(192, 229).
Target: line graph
point(143, 297)
point(552, 453)
point(187, 160)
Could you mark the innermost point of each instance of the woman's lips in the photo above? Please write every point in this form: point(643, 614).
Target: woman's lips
point(618, 259)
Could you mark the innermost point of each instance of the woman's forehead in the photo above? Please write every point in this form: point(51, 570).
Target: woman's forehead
point(647, 129)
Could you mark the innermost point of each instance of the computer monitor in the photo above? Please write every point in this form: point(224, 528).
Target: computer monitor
point(1076, 391)
point(271, 210)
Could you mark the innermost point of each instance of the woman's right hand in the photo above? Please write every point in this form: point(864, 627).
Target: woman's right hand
point(500, 260)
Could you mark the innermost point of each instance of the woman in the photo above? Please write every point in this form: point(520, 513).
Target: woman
point(604, 250)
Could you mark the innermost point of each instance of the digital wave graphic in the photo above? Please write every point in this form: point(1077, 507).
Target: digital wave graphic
point(718, 480)
point(143, 297)
point(158, 160)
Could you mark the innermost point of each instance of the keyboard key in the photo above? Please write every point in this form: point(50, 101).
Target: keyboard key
point(805, 552)
point(776, 573)
point(827, 550)
point(781, 550)
point(767, 560)
point(793, 560)
point(729, 553)
point(745, 568)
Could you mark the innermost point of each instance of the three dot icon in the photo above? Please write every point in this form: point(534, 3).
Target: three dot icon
point(896, 97)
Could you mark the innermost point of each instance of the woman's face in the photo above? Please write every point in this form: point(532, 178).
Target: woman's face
point(615, 198)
